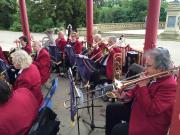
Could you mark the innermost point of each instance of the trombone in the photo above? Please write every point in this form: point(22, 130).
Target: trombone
point(122, 85)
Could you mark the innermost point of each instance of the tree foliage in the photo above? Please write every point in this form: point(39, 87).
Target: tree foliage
point(44, 14)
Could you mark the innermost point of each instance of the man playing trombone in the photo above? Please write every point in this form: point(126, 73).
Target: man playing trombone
point(97, 48)
point(152, 100)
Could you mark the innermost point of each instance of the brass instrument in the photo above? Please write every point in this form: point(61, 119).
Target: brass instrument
point(106, 52)
point(117, 66)
point(3, 77)
point(121, 85)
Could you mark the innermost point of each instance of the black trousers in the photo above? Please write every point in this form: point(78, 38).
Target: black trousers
point(115, 114)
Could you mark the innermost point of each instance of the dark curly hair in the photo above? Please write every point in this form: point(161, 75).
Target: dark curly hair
point(24, 38)
point(5, 91)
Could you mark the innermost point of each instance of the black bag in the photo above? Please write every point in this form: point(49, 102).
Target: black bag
point(46, 123)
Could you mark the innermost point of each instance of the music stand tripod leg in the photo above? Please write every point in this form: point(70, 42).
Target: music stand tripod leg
point(91, 123)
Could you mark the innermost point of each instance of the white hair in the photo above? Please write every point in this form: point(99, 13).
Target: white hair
point(21, 58)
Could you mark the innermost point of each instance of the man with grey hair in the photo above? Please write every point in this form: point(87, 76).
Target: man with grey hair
point(28, 75)
point(113, 49)
point(42, 61)
point(152, 100)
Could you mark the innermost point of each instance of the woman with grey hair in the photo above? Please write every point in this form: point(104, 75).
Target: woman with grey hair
point(28, 75)
point(152, 100)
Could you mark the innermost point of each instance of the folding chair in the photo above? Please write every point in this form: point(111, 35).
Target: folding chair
point(50, 93)
point(46, 123)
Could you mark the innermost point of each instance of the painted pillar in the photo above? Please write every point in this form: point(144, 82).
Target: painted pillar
point(89, 21)
point(175, 123)
point(24, 19)
point(152, 24)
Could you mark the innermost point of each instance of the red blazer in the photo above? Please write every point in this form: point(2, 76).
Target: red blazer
point(30, 78)
point(77, 46)
point(28, 49)
point(98, 52)
point(61, 43)
point(18, 113)
point(109, 67)
point(152, 107)
point(43, 62)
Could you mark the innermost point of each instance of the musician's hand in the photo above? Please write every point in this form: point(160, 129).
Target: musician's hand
point(16, 41)
point(144, 82)
point(123, 98)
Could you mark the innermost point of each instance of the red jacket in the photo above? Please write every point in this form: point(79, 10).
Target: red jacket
point(98, 52)
point(109, 67)
point(152, 107)
point(61, 43)
point(30, 78)
point(18, 113)
point(43, 62)
point(77, 46)
point(28, 49)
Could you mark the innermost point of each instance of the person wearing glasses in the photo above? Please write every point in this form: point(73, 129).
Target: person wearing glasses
point(152, 100)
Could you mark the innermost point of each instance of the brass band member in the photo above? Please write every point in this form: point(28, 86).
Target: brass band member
point(61, 41)
point(42, 61)
point(28, 75)
point(75, 43)
point(25, 44)
point(97, 48)
point(18, 110)
point(153, 100)
point(113, 49)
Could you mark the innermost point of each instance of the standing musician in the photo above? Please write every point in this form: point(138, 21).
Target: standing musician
point(75, 43)
point(97, 48)
point(113, 49)
point(18, 110)
point(28, 75)
point(42, 61)
point(153, 99)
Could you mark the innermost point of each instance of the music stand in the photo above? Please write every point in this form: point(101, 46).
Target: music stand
point(91, 123)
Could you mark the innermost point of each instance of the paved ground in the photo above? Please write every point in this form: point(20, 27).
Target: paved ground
point(6, 41)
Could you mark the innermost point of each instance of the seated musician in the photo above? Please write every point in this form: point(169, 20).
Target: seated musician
point(18, 110)
point(28, 75)
point(113, 49)
point(61, 41)
point(42, 61)
point(75, 43)
point(152, 101)
point(97, 48)
point(25, 44)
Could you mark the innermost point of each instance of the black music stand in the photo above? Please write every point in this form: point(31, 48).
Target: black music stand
point(91, 123)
